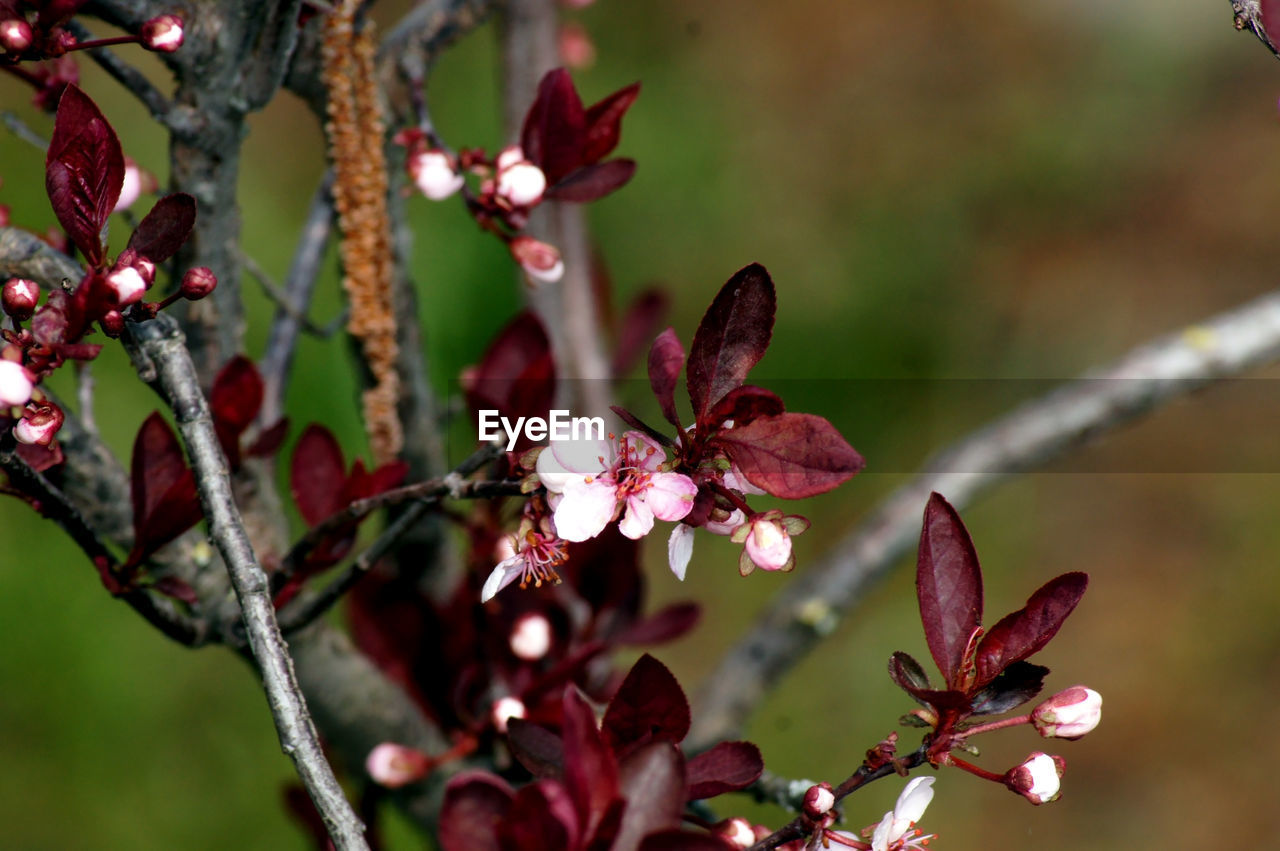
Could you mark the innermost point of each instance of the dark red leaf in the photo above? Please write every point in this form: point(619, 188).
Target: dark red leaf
point(648, 705)
point(475, 803)
point(517, 376)
point(664, 625)
point(679, 840)
point(604, 123)
point(172, 586)
point(163, 230)
point(590, 773)
point(727, 767)
point(639, 323)
point(744, 404)
point(317, 475)
point(909, 676)
point(652, 780)
point(270, 439)
point(541, 816)
point(236, 396)
point(555, 128)
point(536, 748)
point(731, 338)
point(40, 458)
point(162, 487)
point(84, 171)
point(593, 182)
point(666, 358)
point(948, 586)
point(791, 455)
point(640, 425)
point(1029, 629)
point(386, 477)
point(1015, 685)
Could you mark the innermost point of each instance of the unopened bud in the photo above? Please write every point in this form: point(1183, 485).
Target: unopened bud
point(198, 283)
point(540, 261)
point(768, 544)
point(435, 173)
point(20, 298)
point(818, 801)
point(575, 46)
point(112, 323)
point(15, 35)
point(531, 637)
point(393, 765)
point(1038, 778)
point(509, 156)
point(1069, 714)
point(504, 709)
point(521, 183)
point(127, 285)
point(162, 33)
point(16, 383)
point(132, 186)
point(736, 831)
point(39, 426)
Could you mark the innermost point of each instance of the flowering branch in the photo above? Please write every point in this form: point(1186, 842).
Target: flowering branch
point(1139, 383)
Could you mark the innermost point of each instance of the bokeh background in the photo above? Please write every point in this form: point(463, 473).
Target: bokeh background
point(960, 204)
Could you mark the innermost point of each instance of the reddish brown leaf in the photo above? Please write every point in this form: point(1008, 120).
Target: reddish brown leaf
point(664, 625)
point(317, 475)
point(791, 455)
point(555, 127)
point(540, 816)
point(948, 586)
point(639, 323)
point(1014, 686)
point(727, 767)
point(84, 171)
point(652, 780)
point(475, 803)
point(731, 338)
point(744, 404)
point(666, 358)
point(162, 487)
point(236, 396)
point(910, 677)
point(517, 376)
point(1029, 629)
point(163, 230)
point(590, 773)
point(270, 439)
point(604, 123)
point(536, 748)
point(593, 182)
point(648, 705)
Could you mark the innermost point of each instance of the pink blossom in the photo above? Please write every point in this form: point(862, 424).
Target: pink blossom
point(592, 482)
point(540, 261)
point(393, 765)
point(132, 186)
point(530, 637)
point(680, 544)
point(767, 541)
point(39, 425)
point(1038, 778)
point(1069, 714)
point(16, 383)
point(435, 173)
point(127, 285)
point(530, 555)
point(895, 830)
point(198, 282)
point(21, 297)
point(15, 35)
point(162, 33)
point(519, 182)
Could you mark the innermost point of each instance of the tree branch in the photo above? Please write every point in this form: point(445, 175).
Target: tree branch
point(161, 343)
point(1030, 436)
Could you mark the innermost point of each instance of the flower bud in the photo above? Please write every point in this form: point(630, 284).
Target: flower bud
point(435, 173)
point(521, 183)
point(1069, 714)
point(162, 33)
point(39, 426)
point(126, 284)
point(736, 831)
point(393, 765)
point(768, 544)
point(1038, 778)
point(504, 709)
point(20, 298)
point(540, 261)
point(16, 383)
point(131, 189)
point(112, 323)
point(818, 801)
point(531, 637)
point(15, 35)
point(508, 156)
point(198, 283)
point(575, 46)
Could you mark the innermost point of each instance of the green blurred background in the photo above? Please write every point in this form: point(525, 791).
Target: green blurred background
point(1003, 192)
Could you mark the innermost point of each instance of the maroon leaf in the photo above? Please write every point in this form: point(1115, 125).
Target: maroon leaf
point(555, 128)
point(648, 705)
point(172, 586)
point(590, 772)
point(744, 404)
point(731, 338)
point(1015, 685)
point(537, 748)
point(163, 230)
point(84, 171)
point(1029, 629)
point(638, 326)
point(474, 805)
point(162, 488)
point(948, 586)
point(727, 767)
point(541, 816)
point(593, 182)
point(317, 475)
point(909, 676)
point(652, 780)
point(791, 455)
point(640, 425)
point(664, 625)
point(270, 439)
point(666, 358)
point(236, 396)
point(604, 122)
point(517, 376)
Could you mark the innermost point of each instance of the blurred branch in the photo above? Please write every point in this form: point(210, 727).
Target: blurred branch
point(25, 255)
point(161, 344)
point(1142, 381)
point(21, 130)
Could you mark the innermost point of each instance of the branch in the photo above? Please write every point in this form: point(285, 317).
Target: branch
point(25, 255)
point(1034, 434)
point(161, 343)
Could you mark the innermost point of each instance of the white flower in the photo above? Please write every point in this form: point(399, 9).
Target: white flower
point(895, 830)
point(1069, 714)
point(127, 284)
point(521, 183)
point(530, 637)
point(16, 383)
point(131, 188)
point(530, 555)
point(1038, 778)
point(393, 765)
point(504, 709)
point(434, 173)
point(540, 260)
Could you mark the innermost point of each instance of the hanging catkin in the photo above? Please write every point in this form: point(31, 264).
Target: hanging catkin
point(355, 130)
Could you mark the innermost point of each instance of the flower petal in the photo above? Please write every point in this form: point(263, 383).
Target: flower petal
point(670, 495)
point(587, 507)
point(638, 521)
point(507, 571)
point(566, 460)
point(680, 549)
point(647, 452)
point(914, 799)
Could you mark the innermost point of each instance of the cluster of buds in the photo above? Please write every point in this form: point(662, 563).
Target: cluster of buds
point(33, 34)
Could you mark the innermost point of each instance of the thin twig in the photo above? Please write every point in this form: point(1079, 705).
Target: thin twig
point(20, 129)
point(161, 343)
point(1147, 378)
point(280, 298)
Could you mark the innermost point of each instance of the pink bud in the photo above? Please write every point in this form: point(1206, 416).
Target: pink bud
point(576, 48)
point(198, 283)
point(112, 323)
point(531, 637)
point(736, 831)
point(435, 173)
point(1038, 778)
point(504, 709)
point(1069, 714)
point(132, 186)
point(768, 544)
point(20, 298)
point(818, 801)
point(127, 285)
point(521, 184)
point(393, 765)
point(39, 426)
point(16, 383)
point(162, 33)
point(509, 156)
point(540, 261)
point(15, 35)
